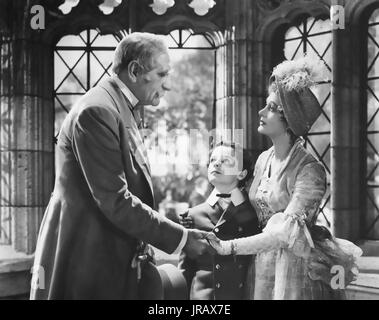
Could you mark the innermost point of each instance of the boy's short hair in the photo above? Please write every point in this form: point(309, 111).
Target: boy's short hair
point(247, 159)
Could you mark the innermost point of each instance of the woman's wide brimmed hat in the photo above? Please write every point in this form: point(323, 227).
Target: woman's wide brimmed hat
point(293, 80)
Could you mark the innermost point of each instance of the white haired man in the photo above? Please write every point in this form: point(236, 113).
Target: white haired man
point(100, 213)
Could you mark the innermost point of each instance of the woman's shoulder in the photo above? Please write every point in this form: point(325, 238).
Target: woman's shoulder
point(306, 158)
point(308, 164)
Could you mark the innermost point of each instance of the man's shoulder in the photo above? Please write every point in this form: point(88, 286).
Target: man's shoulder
point(97, 100)
point(86, 109)
point(93, 105)
point(97, 96)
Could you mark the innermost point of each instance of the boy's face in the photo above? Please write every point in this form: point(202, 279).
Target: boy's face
point(223, 169)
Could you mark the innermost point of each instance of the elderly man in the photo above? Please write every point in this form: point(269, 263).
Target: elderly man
point(100, 213)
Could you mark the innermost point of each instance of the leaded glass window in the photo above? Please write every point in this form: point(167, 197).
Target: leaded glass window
point(372, 130)
point(313, 37)
point(80, 62)
point(6, 197)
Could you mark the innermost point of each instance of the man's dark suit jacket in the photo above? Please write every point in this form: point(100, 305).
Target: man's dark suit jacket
point(101, 205)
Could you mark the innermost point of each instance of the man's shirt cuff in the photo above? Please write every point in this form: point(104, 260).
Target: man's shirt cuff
point(182, 242)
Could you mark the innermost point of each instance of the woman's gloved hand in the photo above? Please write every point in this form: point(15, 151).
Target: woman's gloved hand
point(223, 248)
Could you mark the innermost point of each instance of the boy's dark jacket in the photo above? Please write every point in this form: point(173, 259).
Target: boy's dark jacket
point(220, 277)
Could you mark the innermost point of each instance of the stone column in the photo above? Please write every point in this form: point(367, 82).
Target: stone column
point(346, 119)
point(239, 93)
point(223, 68)
point(26, 131)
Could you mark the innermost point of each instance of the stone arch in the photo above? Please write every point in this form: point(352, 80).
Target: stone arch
point(289, 13)
point(271, 32)
point(74, 26)
point(357, 11)
point(165, 26)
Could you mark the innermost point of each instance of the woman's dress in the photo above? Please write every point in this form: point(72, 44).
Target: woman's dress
point(289, 264)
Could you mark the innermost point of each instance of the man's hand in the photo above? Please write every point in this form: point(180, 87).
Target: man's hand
point(223, 248)
point(197, 243)
point(186, 221)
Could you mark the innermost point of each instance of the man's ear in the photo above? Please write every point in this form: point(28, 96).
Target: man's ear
point(242, 175)
point(133, 69)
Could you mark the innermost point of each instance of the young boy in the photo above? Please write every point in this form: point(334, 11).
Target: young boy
point(228, 213)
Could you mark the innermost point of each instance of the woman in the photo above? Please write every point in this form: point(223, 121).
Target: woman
point(288, 186)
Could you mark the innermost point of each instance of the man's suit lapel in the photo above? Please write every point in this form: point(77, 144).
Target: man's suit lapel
point(135, 141)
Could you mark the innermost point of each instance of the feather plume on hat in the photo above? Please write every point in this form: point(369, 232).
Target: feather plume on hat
point(292, 80)
point(296, 75)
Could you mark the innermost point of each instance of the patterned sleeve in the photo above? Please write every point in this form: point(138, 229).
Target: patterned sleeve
point(310, 188)
point(288, 229)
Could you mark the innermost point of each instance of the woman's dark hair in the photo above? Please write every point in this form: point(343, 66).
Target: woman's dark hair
point(247, 160)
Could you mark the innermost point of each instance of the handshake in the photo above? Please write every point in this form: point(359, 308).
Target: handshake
point(200, 242)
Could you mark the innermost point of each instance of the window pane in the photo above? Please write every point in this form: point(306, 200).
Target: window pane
point(292, 32)
point(71, 68)
point(315, 40)
point(101, 62)
point(197, 41)
point(372, 221)
point(372, 174)
point(71, 41)
point(107, 40)
point(318, 26)
point(292, 48)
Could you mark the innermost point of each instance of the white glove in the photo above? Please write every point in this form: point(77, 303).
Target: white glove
point(223, 248)
point(277, 234)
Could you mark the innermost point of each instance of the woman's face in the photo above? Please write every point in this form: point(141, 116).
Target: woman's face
point(270, 123)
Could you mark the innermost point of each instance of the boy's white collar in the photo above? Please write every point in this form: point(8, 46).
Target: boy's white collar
point(236, 197)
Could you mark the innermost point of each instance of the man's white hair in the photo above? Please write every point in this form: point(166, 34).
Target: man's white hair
point(139, 46)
